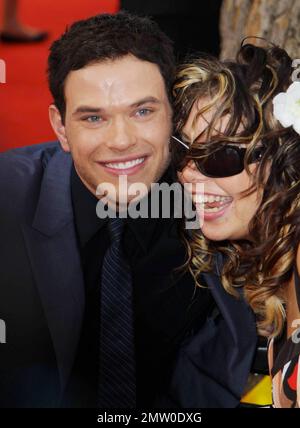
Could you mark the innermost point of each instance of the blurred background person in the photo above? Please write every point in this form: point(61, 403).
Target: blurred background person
point(14, 31)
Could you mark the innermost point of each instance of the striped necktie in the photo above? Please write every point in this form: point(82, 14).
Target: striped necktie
point(117, 385)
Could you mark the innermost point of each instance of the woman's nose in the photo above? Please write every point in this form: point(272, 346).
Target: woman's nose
point(191, 174)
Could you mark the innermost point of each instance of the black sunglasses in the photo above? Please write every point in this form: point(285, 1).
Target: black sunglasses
point(225, 161)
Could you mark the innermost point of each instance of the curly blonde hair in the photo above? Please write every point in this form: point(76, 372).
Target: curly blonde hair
point(245, 89)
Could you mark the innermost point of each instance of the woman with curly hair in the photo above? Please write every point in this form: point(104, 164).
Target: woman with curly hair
point(239, 134)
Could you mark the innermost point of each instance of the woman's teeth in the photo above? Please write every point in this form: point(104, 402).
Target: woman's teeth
point(125, 165)
point(217, 202)
point(203, 199)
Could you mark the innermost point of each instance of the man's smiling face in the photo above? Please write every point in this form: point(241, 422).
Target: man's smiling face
point(117, 122)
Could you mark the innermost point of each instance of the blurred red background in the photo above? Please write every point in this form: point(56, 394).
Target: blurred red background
point(24, 98)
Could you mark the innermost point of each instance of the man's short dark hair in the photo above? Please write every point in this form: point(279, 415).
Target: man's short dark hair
point(108, 37)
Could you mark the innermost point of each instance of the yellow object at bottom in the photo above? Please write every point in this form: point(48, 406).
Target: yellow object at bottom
point(260, 394)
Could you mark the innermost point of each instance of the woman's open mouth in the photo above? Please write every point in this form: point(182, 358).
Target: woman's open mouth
point(212, 206)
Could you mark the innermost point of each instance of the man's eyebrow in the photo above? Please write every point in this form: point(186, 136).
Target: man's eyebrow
point(145, 101)
point(91, 109)
point(87, 109)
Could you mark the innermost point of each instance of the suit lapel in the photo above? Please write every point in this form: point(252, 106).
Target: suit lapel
point(52, 247)
point(236, 313)
point(212, 365)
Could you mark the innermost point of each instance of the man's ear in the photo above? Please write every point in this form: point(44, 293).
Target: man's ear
point(58, 127)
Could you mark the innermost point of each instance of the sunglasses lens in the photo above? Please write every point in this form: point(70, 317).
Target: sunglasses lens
point(223, 163)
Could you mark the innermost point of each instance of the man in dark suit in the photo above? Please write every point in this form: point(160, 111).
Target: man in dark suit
point(110, 77)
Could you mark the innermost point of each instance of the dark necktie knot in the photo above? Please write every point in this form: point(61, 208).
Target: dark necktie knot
point(116, 227)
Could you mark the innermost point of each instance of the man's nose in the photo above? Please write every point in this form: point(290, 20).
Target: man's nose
point(120, 135)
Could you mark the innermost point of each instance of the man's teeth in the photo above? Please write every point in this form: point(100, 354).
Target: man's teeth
point(203, 199)
point(125, 165)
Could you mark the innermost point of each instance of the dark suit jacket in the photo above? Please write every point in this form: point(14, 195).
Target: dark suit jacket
point(42, 298)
